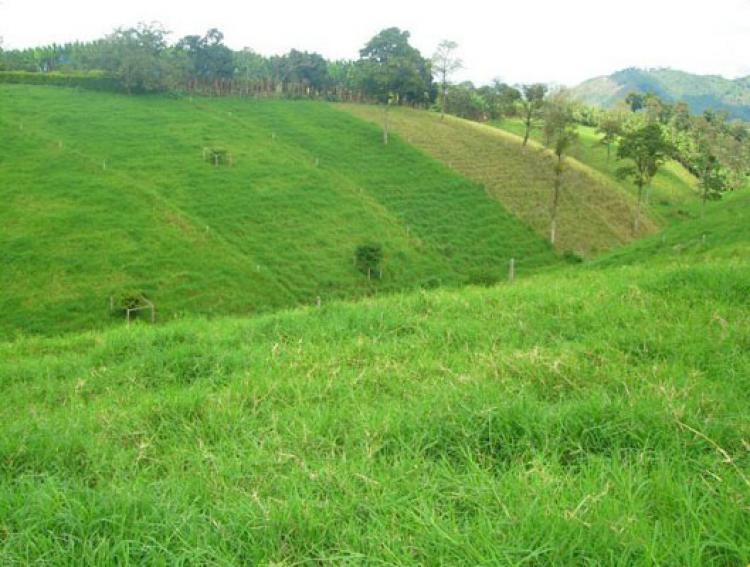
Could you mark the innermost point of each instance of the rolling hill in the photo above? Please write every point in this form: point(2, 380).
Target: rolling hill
point(595, 213)
point(700, 92)
point(588, 415)
point(672, 196)
point(107, 194)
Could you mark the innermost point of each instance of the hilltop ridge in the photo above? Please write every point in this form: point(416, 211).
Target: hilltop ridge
point(700, 92)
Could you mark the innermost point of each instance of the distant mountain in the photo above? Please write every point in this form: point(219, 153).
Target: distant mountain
point(700, 92)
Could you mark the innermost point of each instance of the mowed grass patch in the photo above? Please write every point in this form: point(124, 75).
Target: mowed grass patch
point(105, 194)
point(594, 416)
point(595, 214)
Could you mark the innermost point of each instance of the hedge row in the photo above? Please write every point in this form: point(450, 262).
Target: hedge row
point(91, 80)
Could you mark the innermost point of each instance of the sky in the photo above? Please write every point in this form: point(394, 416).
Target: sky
point(561, 42)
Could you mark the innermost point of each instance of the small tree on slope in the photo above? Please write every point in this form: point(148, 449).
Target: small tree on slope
point(648, 149)
point(444, 64)
point(532, 102)
point(560, 132)
point(710, 142)
point(610, 127)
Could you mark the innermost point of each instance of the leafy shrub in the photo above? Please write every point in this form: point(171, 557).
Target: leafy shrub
point(216, 156)
point(572, 257)
point(368, 258)
point(120, 304)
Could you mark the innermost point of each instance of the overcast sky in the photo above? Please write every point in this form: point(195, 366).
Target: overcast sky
point(546, 40)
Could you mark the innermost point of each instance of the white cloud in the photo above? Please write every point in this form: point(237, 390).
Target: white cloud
point(546, 40)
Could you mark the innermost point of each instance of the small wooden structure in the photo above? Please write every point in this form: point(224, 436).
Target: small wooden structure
point(132, 308)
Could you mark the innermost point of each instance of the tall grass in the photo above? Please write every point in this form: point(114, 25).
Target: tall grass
point(590, 416)
point(586, 415)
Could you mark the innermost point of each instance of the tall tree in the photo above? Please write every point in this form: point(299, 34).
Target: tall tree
point(250, 66)
point(309, 70)
point(392, 71)
point(210, 60)
point(532, 102)
point(610, 127)
point(444, 64)
point(635, 101)
point(648, 149)
point(710, 139)
point(561, 133)
point(134, 56)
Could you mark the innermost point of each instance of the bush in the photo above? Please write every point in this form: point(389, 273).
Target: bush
point(572, 257)
point(368, 258)
point(120, 304)
point(216, 156)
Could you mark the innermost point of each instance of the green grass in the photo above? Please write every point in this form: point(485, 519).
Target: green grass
point(722, 232)
point(585, 416)
point(104, 194)
point(595, 214)
point(672, 197)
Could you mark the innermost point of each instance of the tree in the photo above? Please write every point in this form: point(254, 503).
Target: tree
point(635, 101)
point(610, 127)
point(210, 60)
point(656, 109)
point(395, 69)
point(309, 70)
point(367, 258)
point(561, 133)
point(392, 71)
point(134, 57)
point(499, 99)
point(444, 64)
point(466, 102)
point(734, 154)
point(532, 102)
point(648, 149)
point(681, 117)
point(710, 139)
point(250, 66)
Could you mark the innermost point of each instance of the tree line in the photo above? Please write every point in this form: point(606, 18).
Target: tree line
point(645, 132)
point(143, 60)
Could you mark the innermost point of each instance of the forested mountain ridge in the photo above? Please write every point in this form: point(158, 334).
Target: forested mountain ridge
point(700, 92)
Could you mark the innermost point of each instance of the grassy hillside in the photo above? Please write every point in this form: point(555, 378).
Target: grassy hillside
point(673, 195)
point(723, 232)
point(595, 214)
point(700, 92)
point(104, 194)
point(586, 416)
